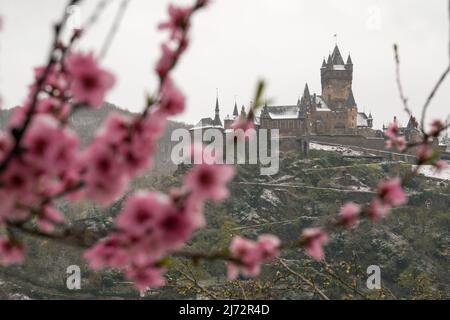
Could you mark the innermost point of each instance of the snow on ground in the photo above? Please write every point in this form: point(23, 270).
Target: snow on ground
point(271, 197)
point(344, 150)
point(429, 171)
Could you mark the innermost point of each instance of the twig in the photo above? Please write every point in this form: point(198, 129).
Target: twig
point(113, 31)
point(195, 283)
point(331, 273)
point(308, 282)
point(19, 132)
point(399, 82)
point(431, 96)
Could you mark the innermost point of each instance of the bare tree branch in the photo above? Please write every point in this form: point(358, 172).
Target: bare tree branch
point(114, 28)
point(308, 282)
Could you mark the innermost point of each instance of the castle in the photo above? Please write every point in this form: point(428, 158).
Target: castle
point(334, 111)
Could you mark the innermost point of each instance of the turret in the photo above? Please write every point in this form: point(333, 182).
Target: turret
point(336, 80)
point(370, 120)
point(217, 121)
point(235, 111)
point(349, 63)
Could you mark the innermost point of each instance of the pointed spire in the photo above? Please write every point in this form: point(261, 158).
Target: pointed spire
point(337, 57)
point(324, 64)
point(351, 100)
point(217, 121)
point(370, 115)
point(349, 60)
point(235, 110)
point(265, 112)
point(329, 61)
point(306, 91)
point(217, 101)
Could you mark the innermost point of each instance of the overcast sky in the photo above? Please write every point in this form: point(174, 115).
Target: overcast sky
point(236, 42)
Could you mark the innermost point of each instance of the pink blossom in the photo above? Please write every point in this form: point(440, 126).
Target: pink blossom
point(178, 21)
point(107, 253)
point(424, 153)
point(349, 215)
point(142, 211)
point(49, 218)
point(5, 145)
point(146, 277)
point(176, 228)
point(441, 165)
point(394, 140)
point(436, 128)
point(17, 178)
point(391, 192)
point(315, 239)
point(269, 246)
point(392, 131)
point(89, 82)
point(243, 124)
point(377, 210)
point(49, 147)
point(399, 143)
point(103, 178)
point(209, 181)
point(172, 100)
point(11, 253)
point(249, 256)
point(166, 61)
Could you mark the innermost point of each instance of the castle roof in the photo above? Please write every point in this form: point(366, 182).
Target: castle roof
point(336, 57)
point(351, 100)
point(235, 111)
point(280, 112)
point(321, 104)
point(361, 120)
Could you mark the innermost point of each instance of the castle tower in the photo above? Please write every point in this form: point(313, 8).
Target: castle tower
point(235, 111)
point(370, 120)
point(336, 78)
point(217, 121)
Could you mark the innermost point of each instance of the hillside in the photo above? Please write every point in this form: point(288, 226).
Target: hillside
point(411, 246)
point(85, 122)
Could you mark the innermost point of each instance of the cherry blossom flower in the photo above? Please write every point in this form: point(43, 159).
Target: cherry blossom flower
point(147, 277)
point(166, 60)
point(436, 127)
point(349, 215)
point(243, 124)
point(251, 255)
point(269, 246)
point(50, 147)
point(441, 165)
point(209, 181)
point(11, 253)
point(424, 153)
point(141, 212)
point(391, 192)
point(377, 211)
point(315, 239)
point(107, 253)
point(392, 131)
point(172, 100)
point(178, 21)
point(49, 218)
point(89, 83)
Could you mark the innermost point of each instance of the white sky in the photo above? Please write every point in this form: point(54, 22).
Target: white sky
point(236, 42)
